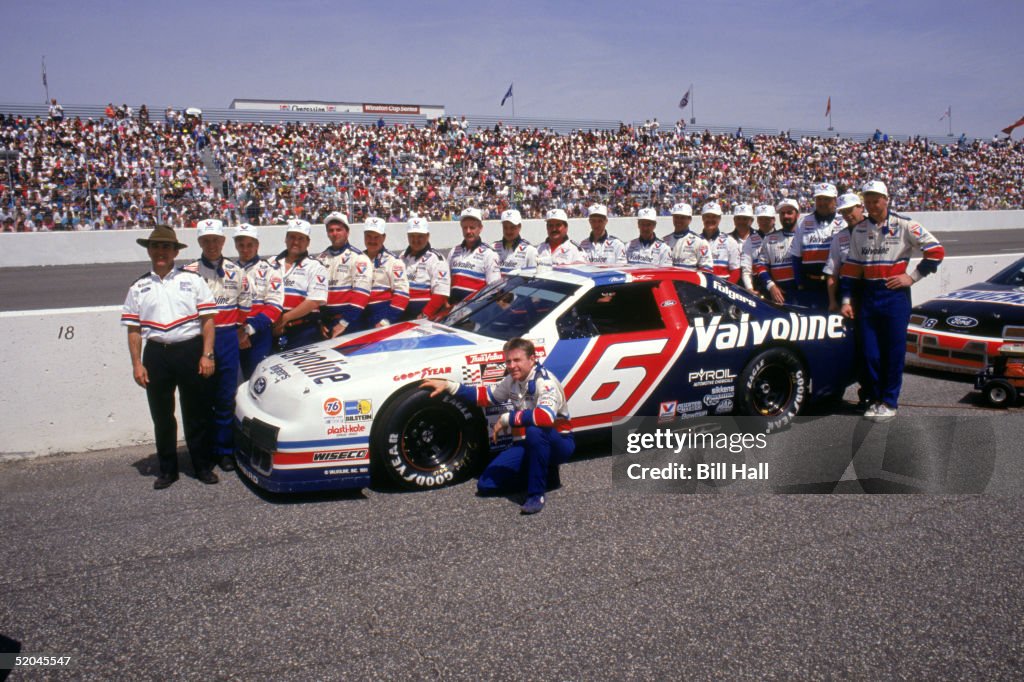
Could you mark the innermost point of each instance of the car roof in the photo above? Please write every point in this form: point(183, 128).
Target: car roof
point(601, 274)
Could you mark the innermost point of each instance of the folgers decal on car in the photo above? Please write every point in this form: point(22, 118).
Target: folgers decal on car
point(961, 321)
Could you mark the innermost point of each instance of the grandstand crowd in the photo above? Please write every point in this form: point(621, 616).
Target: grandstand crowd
point(127, 171)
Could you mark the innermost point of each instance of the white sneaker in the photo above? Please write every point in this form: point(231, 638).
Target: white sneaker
point(872, 411)
point(884, 413)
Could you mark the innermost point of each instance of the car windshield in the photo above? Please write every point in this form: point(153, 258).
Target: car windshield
point(509, 308)
point(1012, 276)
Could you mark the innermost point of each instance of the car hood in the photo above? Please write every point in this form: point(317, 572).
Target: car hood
point(980, 309)
point(366, 365)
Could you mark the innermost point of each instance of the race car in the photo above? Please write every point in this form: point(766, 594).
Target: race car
point(623, 341)
point(962, 331)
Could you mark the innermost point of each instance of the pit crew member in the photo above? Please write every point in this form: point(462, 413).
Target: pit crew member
point(472, 263)
point(879, 253)
point(389, 290)
point(773, 266)
point(599, 246)
point(810, 245)
point(558, 249)
point(266, 299)
point(725, 251)
point(514, 252)
point(227, 283)
point(348, 277)
point(427, 271)
point(765, 216)
point(305, 289)
point(851, 207)
point(541, 431)
point(647, 249)
point(689, 250)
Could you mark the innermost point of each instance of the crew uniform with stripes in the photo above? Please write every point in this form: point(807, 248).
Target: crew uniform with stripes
point(227, 282)
point(266, 303)
point(430, 283)
point(878, 251)
point(389, 287)
point(348, 285)
point(810, 247)
point(473, 264)
point(305, 279)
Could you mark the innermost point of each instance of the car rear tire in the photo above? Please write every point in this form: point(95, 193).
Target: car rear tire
point(999, 393)
point(421, 442)
point(773, 387)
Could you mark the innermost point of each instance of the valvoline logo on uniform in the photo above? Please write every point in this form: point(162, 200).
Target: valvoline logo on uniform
point(332, 407)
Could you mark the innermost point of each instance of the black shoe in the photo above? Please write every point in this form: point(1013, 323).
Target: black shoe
point(164, 481)
point(227, 463)
point(207, 477)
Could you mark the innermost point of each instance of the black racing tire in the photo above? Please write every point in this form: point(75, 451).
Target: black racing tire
point(421, 442)
point(999, 393)
point(773, 387)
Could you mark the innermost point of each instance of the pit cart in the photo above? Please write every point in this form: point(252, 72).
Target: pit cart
point(1003, 381)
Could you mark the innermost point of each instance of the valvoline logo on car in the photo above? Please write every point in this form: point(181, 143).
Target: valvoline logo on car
point(332, 407)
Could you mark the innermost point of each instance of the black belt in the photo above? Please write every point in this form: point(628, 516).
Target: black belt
point(193, 339)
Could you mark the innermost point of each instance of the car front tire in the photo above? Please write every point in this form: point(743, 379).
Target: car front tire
point(421, 442)
point(773, 387)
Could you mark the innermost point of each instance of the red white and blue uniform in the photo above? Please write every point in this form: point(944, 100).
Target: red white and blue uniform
point(837, 252)
point(167, 310)
point(230, 290)
point(809, 251)
point(389, 291)
point(541, 431)
point(654, 252)
point(773, 265)
point(608, 249)
point(690, 251)
point(472, 267)
point(430, 282)
point(305, 279)
point(520, 255)
point(879, 251)
point(266, 303)
point(725, 255)
point(748, 254)
point(348, 284)
point(564, 254)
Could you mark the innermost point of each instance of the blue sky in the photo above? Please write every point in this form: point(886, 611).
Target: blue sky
point(893, 65)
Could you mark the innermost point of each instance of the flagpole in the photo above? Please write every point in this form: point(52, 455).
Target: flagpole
point(693, 116)
point(513, 89)
point(46, 86)
point(950, 117)
point(830, 113)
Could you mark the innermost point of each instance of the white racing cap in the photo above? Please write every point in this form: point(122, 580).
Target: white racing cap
point(473, 213)
point(247, 230)
point(557, 214)
point(848, 200)
point(711, 208)
point(598, 209)
point(512, 216)
point(647, 214)
point(375, 225)
point(298, 226)
point(683, 208)
point(764, 211)
point(876, 187)
point(825, 189)
point(336, 217)
point(417, 226)
point(210, 226)
point(788, 203)
point(743, 211)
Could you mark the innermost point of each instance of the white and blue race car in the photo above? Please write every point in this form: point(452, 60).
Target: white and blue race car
point(623, 341)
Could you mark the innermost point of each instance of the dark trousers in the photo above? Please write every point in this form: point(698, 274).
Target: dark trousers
point(224, 384)
point(170, 367)
point(262, 343)
point(299, 335)
point(882, 323)
point(527, 463)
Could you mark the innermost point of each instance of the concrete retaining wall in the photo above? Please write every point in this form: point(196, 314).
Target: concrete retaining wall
point(72, 248)
point(69, 380)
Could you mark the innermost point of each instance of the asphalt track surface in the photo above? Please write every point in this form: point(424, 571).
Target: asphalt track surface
point(216, 582)
point(76, 286)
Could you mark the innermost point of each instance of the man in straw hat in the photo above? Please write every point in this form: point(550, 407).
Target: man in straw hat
point(173, 310)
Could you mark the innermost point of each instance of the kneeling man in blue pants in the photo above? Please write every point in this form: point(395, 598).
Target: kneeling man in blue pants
point(541, 433)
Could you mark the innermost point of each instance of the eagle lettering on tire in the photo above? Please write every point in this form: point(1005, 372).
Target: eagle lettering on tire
point(773, 387)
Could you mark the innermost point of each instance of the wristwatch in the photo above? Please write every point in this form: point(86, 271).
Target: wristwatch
point(209, 356)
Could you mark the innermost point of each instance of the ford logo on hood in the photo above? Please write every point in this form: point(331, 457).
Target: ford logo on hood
point(961, 321)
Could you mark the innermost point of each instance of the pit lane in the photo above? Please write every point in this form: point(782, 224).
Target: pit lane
point(219, 581)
